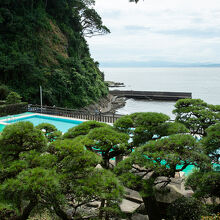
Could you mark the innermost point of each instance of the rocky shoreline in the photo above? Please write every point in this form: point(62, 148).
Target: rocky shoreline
point(114, 84)
point(108, 104)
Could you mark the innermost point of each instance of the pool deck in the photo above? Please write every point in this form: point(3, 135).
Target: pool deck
point(14, 117)
point(10, 116)
point(3, 120)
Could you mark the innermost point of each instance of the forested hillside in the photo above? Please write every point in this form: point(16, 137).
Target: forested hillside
point(42, 42)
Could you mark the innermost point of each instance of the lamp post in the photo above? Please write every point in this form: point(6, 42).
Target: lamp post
point(41, 102)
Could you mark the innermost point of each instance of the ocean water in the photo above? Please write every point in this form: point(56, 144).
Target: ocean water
point(204, 83)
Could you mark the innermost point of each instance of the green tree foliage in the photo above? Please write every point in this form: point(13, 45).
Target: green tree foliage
point(36, 175)
point(90, 21)
point(103, 186)
point(13, 98)
point(50, 131)
point(211, 142)
point(20, 137)
point(32, 186)
point(151, 166)
point(187, 208)
point(196, 114)
point(148, 126)
point(42, 43)
point(124, 124)
point(83, 129)
point(136, 1)
point(80, 179)
point(14, 141)
point(108, 142)
point(205, 184)
point(6, 212)
point(4, 91)
point(100, 138)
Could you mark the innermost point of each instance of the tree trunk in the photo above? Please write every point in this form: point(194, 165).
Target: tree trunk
point(101, 212)
point(60, 212)
point(152, 207)
point(107, 215)
point(105, 163)
point(118, 159)
point(26, 212)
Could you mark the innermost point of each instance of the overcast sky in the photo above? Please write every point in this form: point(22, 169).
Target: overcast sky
point(158, 30)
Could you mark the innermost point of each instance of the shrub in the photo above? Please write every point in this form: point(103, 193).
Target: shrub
point(4, 91)
point(13, 98)
point(13, 109)
point(186, 208)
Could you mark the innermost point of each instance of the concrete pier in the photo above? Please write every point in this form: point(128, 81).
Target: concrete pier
point(152, 95)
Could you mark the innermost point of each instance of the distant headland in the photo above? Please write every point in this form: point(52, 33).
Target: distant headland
point(139, 64)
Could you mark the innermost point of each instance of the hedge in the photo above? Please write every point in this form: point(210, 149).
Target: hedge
point(12, 109)
point(2, 102)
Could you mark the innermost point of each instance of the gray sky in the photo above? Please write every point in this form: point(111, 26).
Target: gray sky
point(164, 30)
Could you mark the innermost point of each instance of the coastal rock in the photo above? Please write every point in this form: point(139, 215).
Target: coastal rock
point(141, 209)
point(133, 196)
point(99, 166)
point(172, 191)
point(109, 104)
point(137, 216)
point(95, 204)
point(114, 84)
point(69, 213)
point(87, 211)
point(128, 207)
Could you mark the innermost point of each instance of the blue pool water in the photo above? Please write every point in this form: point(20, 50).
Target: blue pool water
point(188, 170)
point(1, 127)
point(61, 124)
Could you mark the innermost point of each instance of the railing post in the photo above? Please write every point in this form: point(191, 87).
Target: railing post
point(113, 115)
point(98, 116)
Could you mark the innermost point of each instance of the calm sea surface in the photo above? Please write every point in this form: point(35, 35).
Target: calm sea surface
point(204, 83)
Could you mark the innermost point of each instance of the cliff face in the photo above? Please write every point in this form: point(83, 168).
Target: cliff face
point(42, 43)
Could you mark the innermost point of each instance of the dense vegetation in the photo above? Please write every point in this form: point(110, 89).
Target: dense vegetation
point(42, 170)
point(42, 42)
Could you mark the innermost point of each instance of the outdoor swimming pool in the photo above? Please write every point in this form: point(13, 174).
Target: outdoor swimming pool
point(60, 123)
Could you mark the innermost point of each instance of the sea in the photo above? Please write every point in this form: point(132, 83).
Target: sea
point(203, 83)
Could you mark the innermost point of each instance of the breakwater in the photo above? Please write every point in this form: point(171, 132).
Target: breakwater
point(152, 95)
